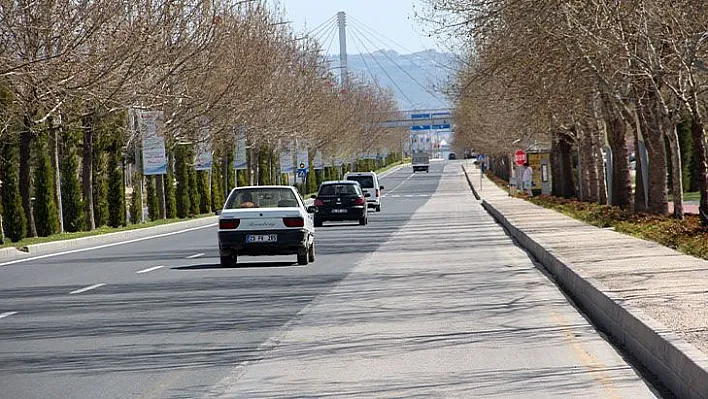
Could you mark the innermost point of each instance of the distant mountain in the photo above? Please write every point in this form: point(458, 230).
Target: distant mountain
point(415, 79)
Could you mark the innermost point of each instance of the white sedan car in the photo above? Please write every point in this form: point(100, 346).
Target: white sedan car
point(266, 220)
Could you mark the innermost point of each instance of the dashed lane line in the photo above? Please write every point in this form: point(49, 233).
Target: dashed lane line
point(7, 314)
point(149, 269)
point(89, 288)
point(199, 255)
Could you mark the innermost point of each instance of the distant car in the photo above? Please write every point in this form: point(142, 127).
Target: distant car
point(369, 183)
point(452, 156)
point(266, 220)
point(340, 200)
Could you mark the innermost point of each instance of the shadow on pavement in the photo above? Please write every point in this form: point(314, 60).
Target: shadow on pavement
point(243, 265)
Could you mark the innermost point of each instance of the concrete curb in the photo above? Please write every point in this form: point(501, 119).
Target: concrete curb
point(676, 364)
point(7, 254)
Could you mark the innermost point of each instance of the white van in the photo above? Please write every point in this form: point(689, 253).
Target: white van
point(369, 183)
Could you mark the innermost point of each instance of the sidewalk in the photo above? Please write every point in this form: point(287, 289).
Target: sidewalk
point(650, 299)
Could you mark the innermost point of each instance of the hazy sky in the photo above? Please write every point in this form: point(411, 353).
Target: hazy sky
point(393, 20)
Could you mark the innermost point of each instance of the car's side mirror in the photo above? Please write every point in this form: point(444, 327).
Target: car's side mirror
point(311, 209)
point(367, 195)
point(313, 196)
point(217, 212)
point(381, 188)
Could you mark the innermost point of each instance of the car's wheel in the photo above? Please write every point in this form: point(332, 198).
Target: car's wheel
point(228, 261)
point(311, 252)
point(378, 208)
point(363, 221)
point(303, 256)
point(318, 222)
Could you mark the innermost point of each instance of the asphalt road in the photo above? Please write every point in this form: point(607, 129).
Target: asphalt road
point(160, 318)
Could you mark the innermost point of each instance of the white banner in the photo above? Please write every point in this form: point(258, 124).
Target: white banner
point(203, 160)
point(302, 156)
point(240, 159)
point(286, 159)
point(318, 161)
point(154, 154)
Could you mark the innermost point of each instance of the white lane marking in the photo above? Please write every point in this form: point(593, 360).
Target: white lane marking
point(6, 314)
point(149, 269)
point(199, 255)
point(89, 288)
point(392, 171)
point(114, 244)
point(402, 183)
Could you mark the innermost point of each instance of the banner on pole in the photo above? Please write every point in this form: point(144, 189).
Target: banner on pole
point(319, 162)
point(154, 154)
point(240, 159)
point(286, 159)
point(302, 156)
point(204, 159)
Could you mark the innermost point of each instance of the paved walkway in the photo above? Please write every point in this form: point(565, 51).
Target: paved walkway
point(651, 299)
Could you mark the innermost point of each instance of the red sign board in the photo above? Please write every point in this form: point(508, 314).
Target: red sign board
point(519, 157)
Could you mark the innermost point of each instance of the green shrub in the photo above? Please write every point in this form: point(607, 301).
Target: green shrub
point(71, 202)
point(100, 189)
point(169, 187)
point(136, 200)
point(116, 190)
point(153, 203)
point(14, 221)
point(45, 207)
point(182, 177)
point(194, 198)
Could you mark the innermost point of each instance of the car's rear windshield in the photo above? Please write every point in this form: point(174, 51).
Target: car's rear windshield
point(262, 198)
point(364, 181)
point(338, 189)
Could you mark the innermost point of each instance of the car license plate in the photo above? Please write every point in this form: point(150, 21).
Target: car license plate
point(262, 238)
point(339, 211)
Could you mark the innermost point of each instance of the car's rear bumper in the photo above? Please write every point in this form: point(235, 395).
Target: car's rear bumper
point(354, 213)
point(289, 242)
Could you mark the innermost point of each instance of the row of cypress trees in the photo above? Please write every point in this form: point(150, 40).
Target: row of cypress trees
point(187, 192)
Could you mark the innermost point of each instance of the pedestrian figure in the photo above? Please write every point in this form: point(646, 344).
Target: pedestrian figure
point(527, 179)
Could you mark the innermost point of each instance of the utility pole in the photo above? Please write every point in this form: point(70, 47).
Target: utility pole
point(342, 23)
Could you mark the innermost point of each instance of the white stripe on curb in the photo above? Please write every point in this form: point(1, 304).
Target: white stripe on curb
point(89, 288)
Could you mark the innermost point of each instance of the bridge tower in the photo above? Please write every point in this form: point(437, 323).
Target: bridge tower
point(342, 23)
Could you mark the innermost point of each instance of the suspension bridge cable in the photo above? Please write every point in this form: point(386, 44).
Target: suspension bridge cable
point(416, 81)
point(317, 31)
point(366, 64)
point(329, 39)
point(393, 81)
point(374, 33)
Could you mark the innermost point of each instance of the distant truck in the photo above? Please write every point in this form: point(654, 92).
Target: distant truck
point(421, 162)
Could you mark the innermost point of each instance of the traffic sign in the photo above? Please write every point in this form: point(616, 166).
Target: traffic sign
point(519, 157)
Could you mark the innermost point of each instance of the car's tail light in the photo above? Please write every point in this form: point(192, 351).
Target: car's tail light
point(294, 222)
point(360, 201)
point(318, 202)
point(377, 193)
point(229, 224)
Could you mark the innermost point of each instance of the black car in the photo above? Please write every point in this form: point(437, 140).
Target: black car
point(452, 156)
point(340, 200)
